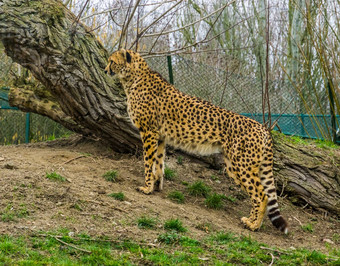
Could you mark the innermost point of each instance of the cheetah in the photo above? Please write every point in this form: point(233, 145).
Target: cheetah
point(165, 115)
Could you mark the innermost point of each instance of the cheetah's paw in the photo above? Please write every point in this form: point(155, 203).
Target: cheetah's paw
point(145, 190)
point(248, 224)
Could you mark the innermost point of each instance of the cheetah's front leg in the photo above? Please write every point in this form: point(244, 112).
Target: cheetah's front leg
point(150, 145)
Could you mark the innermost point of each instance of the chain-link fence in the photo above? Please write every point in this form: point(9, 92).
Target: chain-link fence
point(241, 94)
point(244, 95)
point(18, 127)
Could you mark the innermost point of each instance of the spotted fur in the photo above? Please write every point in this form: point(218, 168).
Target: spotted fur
point(164, 115)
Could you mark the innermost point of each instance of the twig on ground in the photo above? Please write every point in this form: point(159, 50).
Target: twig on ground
point(276, 250)
point(103, 204)
point(73, 159)
point(297, 220)
point(57, 237)
point(273, 258)
point(70, 245)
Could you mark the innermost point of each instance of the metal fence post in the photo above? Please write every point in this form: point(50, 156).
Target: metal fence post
point(27, 127)
point(331, 105)
point(171, 75)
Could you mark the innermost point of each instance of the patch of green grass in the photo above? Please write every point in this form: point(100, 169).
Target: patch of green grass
point(206, 227)
point(215, 201)
point(336, 237)
point(224, 248)
point(11, 213)
point(146, 222)
point(180, 160)
point(223, 237)
point(174, 225)
point(173, 237)
point(325, 144)
point(111, 175)
point(169, 238)
point(176, 196)
point(199, 188)
point(118, 196)
point(307, 228)
point(169, 174)
point(77, 207)
point(55, 177)
point(231, 199)
point(214, 177)
point(297, 140)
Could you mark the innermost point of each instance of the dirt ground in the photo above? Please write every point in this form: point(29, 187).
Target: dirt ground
point(82, 204)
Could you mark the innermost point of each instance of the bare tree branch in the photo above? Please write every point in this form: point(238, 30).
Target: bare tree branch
point(200, 42)
point(124, 29)
point(123, 8)
point(190, 24)
point(155, 22)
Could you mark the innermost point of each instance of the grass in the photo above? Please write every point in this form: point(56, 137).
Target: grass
point(231, 199)
point(118, 196)
point(11, 213)
point(221, 248)
point(55, 177)
point(223, 237)
point(199, 188)
point(169, 174)
point(111, 175)
point(326, 144)
point(174, 225)
point(206, 227)
point(176, 196)
point(146, 222)
point(307, 228)
point(215, 201)
point(180, 160)
point(171, 238)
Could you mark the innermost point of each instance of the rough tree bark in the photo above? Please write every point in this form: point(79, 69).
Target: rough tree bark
point(67, 59)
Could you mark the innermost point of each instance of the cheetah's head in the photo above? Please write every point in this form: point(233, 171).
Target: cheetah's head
point(125, 64)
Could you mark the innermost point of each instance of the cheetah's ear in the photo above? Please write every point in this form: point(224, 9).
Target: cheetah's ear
point(128, 57)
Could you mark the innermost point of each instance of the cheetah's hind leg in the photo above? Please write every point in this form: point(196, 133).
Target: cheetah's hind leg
point(158, 167)
point(247, 176)
point(258, 199)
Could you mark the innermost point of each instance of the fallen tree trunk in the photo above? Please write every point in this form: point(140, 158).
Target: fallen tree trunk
point(307, 172)
point(67, 59)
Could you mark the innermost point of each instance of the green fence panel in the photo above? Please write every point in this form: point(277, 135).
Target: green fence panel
point(18, 127)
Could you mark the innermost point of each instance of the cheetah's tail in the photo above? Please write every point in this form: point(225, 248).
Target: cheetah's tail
point(275, 216)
